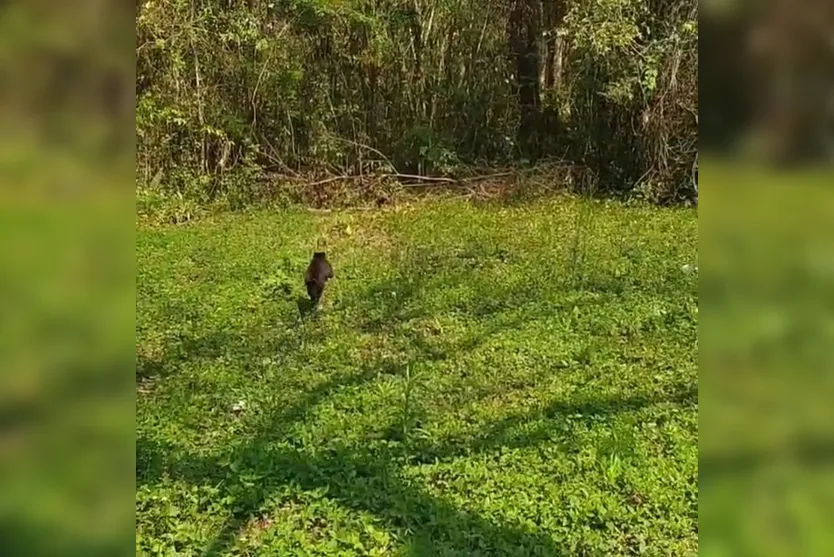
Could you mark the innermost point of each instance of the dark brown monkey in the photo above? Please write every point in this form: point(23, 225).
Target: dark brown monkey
point(317, 275)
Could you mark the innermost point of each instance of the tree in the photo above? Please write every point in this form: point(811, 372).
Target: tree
point(524, 32)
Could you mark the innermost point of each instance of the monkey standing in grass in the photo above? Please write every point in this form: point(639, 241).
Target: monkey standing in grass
point(317, 275)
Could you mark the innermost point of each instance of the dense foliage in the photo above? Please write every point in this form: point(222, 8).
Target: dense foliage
point(240, 99)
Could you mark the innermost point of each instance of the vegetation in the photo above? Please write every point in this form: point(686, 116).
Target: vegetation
point(480, 380)
point(253, 101)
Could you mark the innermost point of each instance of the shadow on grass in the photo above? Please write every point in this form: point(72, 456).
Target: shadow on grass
point(365, 479)
point(148, 369)
point(807, 453)
point(372, 481)
point(306, 306)
point(500, 433)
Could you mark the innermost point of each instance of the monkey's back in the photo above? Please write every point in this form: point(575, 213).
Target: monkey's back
point(316, 276)
point(318, 272)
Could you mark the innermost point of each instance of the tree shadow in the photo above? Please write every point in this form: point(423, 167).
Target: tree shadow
point(501, 433)
point(148, 369)
point(364, 479)
point(399, 299)
point(305, 306)
point(358, 480)
point(372, 481)
point(807, 452)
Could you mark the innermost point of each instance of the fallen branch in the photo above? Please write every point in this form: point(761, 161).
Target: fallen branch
point(422, 178)
point(332, 179)
point(399, 176)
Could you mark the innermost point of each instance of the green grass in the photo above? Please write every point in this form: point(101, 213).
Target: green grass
point(766, 482)
point(480, 380)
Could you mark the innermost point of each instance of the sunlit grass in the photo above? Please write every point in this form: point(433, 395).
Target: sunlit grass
point(479, 380)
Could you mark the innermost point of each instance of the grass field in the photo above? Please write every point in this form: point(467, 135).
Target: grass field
point(480, 380)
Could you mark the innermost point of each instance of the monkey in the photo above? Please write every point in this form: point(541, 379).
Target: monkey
point(317, 275)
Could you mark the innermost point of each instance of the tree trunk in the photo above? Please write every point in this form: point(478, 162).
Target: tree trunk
point(524, 30)
point(553, 15)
